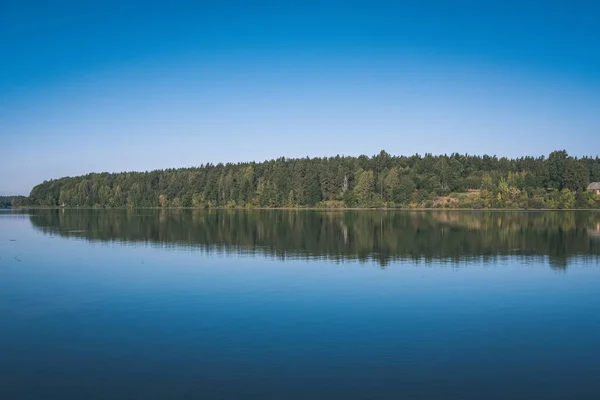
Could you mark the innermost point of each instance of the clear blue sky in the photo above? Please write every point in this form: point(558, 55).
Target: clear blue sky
point(102, 86)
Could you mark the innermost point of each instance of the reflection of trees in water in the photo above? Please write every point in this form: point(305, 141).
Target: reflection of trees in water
point(381, 235)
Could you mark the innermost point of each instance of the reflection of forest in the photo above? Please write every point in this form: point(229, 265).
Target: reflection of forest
point(382, 235)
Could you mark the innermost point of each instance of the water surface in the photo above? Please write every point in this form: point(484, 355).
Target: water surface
point(155, 304)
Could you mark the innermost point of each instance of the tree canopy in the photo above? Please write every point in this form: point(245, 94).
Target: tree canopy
point(383, 180)
point(13, 201)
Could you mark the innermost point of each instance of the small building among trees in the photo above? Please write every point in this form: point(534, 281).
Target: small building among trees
point(594, 187)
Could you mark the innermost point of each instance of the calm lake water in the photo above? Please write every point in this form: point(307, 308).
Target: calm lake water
point(152, 304)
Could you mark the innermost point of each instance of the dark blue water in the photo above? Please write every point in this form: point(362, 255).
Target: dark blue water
point(134, 316)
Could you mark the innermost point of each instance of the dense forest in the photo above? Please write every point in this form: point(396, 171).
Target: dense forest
point(12, 201)
point(446, 181)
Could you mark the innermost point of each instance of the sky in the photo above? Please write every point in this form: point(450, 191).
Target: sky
point(113, 86)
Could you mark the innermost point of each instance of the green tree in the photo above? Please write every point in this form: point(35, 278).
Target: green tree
point(365, 189)
point(392, 186)
point(595, 172)
point(405, 190)
point(567, 199)
point(557, 164)
point(576, 176)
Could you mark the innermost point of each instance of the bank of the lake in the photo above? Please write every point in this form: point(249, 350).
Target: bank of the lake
point(381, 181)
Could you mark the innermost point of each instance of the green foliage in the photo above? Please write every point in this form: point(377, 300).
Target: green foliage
point(379, 181)
point(595, 172)
point(13, 201)
point(567, 199)
point(557, 164)
point(392, 186)
point(365, 189)
point(576, 176)
point(405, 191)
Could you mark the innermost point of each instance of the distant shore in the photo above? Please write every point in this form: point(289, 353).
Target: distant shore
point(297, 209)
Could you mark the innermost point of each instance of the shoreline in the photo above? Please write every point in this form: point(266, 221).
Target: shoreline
point(301, 209)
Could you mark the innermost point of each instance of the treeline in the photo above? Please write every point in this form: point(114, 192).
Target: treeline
point(445, 181)
point(448, 236)
point(13, 201)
